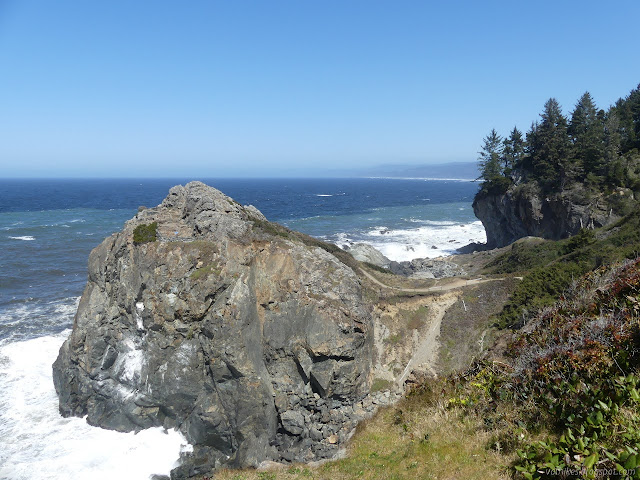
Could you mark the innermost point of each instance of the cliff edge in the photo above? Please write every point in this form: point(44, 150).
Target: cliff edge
point(524, 210)
point(203, 316)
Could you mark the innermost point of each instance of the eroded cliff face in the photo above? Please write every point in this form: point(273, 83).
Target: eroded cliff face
point(255, 345)
point(524, 211)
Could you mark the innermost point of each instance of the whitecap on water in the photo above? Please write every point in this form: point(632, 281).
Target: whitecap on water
point(26, 238)
point(434, 239)
point(37, 442)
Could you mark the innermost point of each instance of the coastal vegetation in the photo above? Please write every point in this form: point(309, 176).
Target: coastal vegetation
point(548, 267)
point(592, 147)
point(145, 233)
point(584, 167)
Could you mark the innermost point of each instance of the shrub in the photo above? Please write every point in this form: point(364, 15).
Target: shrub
point(145, 233)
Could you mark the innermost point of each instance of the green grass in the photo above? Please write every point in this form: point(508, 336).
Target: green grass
point(376, 267)
point(205, 271)
point(271, 228)
point(380, 384)
point(419, 438)
point(416, 318)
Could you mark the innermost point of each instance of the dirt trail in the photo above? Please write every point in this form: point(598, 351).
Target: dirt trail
point(457, 283)
point(424, 344)
point(425, 352)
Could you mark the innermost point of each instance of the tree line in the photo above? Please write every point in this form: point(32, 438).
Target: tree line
point(593, 147)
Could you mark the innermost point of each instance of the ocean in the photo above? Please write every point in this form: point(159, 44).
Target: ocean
point(48, 228)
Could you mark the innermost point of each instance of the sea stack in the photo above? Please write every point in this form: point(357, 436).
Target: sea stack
point(203, 316)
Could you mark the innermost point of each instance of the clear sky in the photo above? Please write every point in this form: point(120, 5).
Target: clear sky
point(250, 88)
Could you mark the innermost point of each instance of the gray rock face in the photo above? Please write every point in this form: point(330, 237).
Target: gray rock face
point(363, 252)
point(523, 211)
point(255, 345)
point(426, 268)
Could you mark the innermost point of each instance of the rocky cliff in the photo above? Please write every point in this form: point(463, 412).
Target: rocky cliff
point(203, 316)
point(523, 210)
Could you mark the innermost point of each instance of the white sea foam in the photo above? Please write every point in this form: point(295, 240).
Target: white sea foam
point(138, 317)
point(323, 195)
point(434, 239)
point(26, 238)
point(36, 442)
point(67, 309)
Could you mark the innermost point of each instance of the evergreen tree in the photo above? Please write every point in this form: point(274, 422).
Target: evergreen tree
point(634, 106)
point(490, 156)
point(613, 161)
point(550, 147)
point(628, 111)
point(612, 138)
point(513, 151)
point(587, 134)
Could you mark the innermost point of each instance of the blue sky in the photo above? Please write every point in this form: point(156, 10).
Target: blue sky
point(247, 88)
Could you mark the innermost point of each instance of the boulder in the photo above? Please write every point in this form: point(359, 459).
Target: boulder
point(363, 252)
point(222, 325)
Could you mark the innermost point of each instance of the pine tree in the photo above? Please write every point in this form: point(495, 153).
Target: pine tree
point(550, 147)
point(587, 134)
point(612, 138)
point(513, 151)
point(490, 156)
point(628, 111)
point(634, 106)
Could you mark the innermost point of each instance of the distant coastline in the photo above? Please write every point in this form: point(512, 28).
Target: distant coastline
point(435, 179)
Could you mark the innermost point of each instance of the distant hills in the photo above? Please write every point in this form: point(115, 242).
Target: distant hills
point(457, 170)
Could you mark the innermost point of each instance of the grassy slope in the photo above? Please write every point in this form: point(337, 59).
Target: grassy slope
point(421, 437)
point(550, 267)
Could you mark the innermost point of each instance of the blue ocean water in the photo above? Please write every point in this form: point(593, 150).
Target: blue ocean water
point(48, 228)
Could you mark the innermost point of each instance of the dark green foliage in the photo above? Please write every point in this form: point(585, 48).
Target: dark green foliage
point(513, 151)
point(271, 228)
point(549, 267)
point(550, 148)
point(145, 233)
point(598, 150)
point(582, 239)
point(539, 288)
point(489, 158)
point(522, 257)
point(587, 131)
point(628, 112)
point(376, 267)
point(497, 185)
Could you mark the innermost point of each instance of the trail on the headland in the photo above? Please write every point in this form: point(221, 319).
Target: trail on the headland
point(457, 283)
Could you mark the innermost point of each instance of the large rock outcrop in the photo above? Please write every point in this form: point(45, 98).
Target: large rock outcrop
point(252, 342)
point(523, 210)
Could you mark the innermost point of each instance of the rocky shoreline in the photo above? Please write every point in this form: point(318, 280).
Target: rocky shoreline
point(422, 268)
